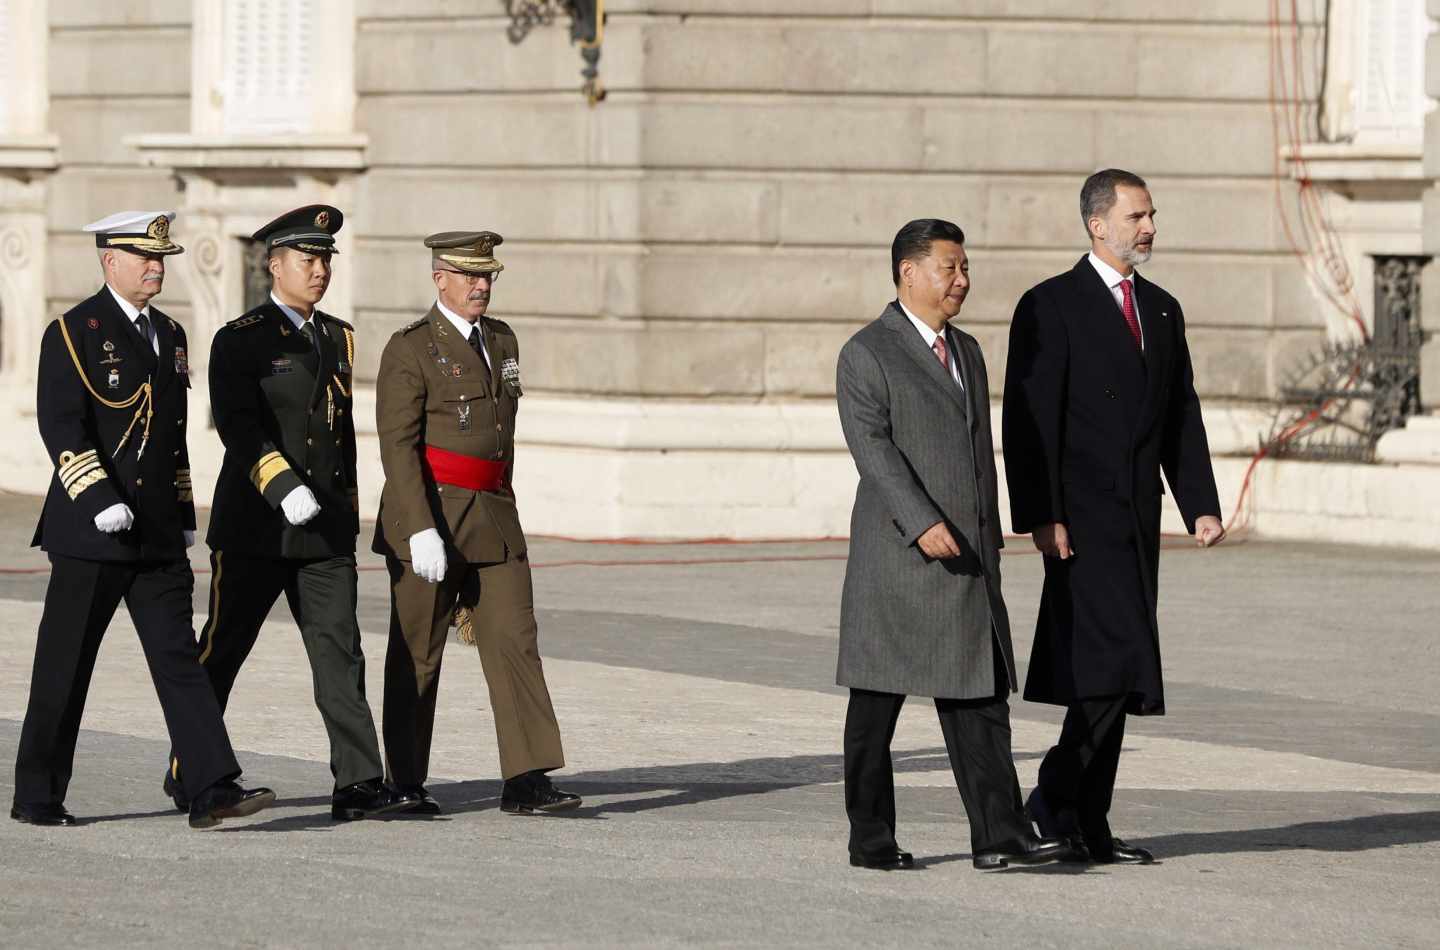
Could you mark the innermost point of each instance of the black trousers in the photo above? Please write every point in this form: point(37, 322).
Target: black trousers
point(977, 738)
point(1077, 776)
point(322, 595)
point(79, 604)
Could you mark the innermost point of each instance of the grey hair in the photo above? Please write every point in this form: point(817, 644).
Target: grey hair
point(1097, 195)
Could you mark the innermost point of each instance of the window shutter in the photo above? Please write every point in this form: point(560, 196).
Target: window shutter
point(7, 81)
point(1390, 78)
point(268, 45)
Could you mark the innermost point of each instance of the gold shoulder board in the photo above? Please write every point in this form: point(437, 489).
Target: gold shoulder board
point(246, 321)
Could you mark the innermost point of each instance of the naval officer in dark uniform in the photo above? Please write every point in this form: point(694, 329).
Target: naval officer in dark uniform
point(286, 510)
point(111, 403)
point(446, 398)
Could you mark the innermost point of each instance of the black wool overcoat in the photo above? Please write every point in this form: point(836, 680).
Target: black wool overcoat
point(1089, 423)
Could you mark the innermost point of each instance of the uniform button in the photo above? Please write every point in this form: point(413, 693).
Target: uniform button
point(308, 472)
point(176, 452)
point(440, 489)
point(497, 428)
point(309, 441)
point(179, 422)
point(139, 481)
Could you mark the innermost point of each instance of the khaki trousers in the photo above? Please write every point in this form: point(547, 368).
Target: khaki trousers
point(506, 637)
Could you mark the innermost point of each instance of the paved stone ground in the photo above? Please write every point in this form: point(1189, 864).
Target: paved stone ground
point(1293, 794)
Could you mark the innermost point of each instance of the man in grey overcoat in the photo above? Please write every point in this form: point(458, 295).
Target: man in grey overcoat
point(921, 612)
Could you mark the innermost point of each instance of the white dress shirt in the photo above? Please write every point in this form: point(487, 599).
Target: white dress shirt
point(462, 327)
point(296, 317)
point(134, 315)
point(930, 336)
point(1113, 278)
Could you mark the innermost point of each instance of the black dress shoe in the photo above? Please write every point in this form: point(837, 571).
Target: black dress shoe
point(227, 800)
point(1116, 851)
point(533, 793)
point(176, 792)
point(1027, 849)
point(1057, 823)
point(896, 860)
point(51, 814)
point(425, 803)
point(369, 799)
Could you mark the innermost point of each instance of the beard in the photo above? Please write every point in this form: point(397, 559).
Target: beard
point(1129, 253)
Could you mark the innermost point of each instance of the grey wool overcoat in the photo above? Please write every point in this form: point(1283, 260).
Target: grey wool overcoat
point(909, 623)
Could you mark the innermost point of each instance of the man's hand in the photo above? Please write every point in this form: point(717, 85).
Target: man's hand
point(300, 505)
point(938, 542)
point(1053, 540)
point(115, 519)
point(427, 555)
point(1208, 531)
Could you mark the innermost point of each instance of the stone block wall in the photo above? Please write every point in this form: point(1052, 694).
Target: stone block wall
point(117, 69)
point(721, 222)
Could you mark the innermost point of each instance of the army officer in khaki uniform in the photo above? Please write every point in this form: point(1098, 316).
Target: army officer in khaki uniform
point(446, 397)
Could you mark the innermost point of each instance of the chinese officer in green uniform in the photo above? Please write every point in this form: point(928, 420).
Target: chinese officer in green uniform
point(285, 515)
point(446, 397)
point(113, 384)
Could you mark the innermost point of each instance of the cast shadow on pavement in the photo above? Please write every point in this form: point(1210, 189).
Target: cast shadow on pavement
point(635, 790)
point(1363, 833)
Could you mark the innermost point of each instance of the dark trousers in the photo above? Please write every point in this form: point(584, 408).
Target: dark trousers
point(79, 604)
point(322, 595)
point(1077, 776)
point(977, 738)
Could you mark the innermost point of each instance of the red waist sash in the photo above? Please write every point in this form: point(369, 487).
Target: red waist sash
point(464, 471)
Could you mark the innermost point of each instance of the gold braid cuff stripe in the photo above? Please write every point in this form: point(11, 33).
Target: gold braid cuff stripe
point(70, 463)
point(267, 468)
point(84, 481)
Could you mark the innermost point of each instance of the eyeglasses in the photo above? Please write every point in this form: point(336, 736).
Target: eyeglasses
point(473, 279)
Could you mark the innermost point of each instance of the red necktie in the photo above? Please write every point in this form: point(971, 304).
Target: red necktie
point(1127, 307)
point(941, 353)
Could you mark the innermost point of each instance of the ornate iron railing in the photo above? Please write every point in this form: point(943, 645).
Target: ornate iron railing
point(587, 29)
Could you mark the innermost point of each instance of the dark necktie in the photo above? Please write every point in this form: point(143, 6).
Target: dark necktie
point(479, 349)
point(307, 329)
point(147, 332)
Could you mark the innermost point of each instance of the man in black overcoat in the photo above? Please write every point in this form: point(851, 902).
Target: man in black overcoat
point(286, 511)
point(1099, 399)
point(113, 379)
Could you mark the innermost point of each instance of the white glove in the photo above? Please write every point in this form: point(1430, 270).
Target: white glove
point(300, 505)
point(189, 538)
point(115, 519)
point(427, 555)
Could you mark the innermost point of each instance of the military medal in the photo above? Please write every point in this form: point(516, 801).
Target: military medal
point(464, 411)
point(92, 323)
point(111, 359)
point(281, 365)
point(182, 362)
point(510, 374)
point(457, 370)
point(114, 379)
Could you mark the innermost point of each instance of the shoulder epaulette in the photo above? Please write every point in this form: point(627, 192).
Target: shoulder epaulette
point(413, 326)
point(348, 326)
point(249, 320)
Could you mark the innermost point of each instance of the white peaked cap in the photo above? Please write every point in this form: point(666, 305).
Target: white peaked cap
point(123, 222)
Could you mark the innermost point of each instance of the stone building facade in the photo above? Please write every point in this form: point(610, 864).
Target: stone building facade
point(685, 258)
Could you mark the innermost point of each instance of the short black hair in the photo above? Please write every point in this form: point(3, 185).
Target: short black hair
point(913, 241)
point(1097, 195)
